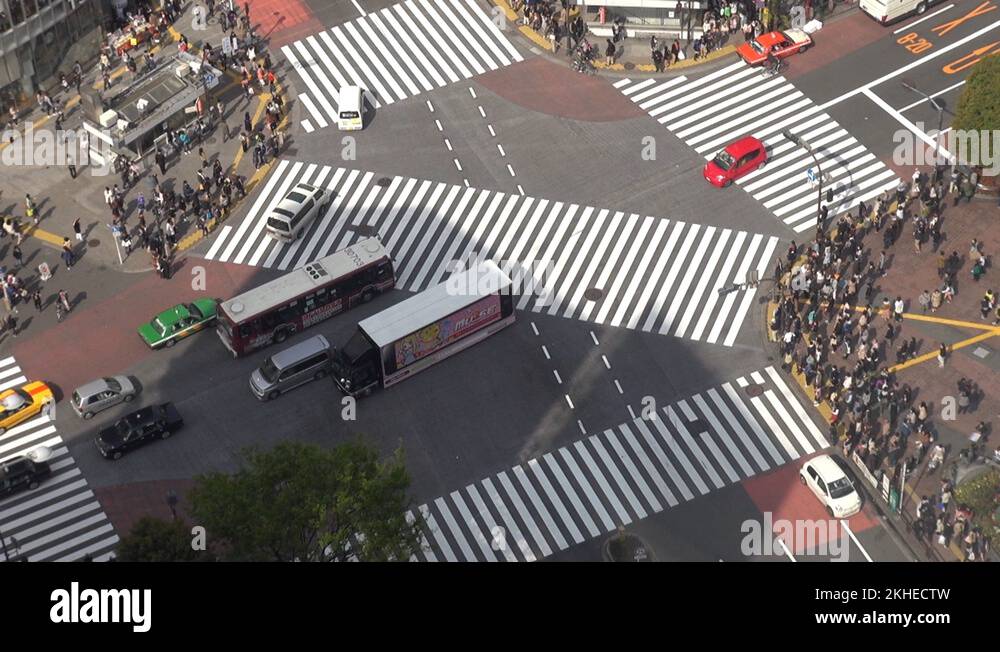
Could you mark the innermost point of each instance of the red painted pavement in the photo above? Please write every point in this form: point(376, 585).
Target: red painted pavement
point(782, 494)
point(283, 21)
point(552, 89)
point(101, 339)
point(836, 40)
point(125, 504)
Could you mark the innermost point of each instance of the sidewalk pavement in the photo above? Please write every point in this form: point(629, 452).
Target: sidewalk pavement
point(633, 53)
point(125, 504)
point(974, 343)
point(62, 199)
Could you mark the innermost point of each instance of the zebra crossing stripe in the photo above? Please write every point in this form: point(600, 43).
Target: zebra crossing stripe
point(425, 547)
point(398, 52)
point(602, 484)
point(442, 542)
point(539, 506)
point(494, 529)
point(712, 111)
point(588, 492)
point(525, 515)
point(470, 522)
point(623, 475)
point(574, 531)
point(456, 532)
point(564, 249)
point(633, 472)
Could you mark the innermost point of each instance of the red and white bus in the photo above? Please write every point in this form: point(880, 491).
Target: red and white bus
point(305, 296)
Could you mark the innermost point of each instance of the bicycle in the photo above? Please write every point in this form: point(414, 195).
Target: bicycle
point(771, 71)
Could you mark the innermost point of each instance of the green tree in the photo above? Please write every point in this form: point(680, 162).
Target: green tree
point(153, 539)
point(979, 109)
point(303, 502)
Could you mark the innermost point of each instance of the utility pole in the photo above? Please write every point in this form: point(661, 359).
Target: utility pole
point(820, 222)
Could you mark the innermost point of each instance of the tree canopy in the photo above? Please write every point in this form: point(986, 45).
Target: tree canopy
point(979, 105)
point(153, 539)
point(301, 502)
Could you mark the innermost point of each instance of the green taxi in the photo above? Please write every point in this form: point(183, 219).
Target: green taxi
point(178, 322)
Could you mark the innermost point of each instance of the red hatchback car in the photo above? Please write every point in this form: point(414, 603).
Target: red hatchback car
point(745, 155)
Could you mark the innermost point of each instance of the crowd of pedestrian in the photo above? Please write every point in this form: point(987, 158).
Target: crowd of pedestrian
point(833, 330)
point(155, 217)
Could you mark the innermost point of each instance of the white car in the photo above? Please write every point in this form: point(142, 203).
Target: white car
point(831, 485)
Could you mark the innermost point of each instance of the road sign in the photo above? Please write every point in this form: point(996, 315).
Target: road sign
point(44, 272)
point(811, 175)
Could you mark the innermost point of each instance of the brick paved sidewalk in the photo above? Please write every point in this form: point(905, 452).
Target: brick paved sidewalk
point(126, 503)
point(907, 275)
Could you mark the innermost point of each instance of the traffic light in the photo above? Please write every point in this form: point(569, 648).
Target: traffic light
point(829, 195)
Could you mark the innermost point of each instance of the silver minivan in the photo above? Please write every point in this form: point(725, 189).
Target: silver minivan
point(294, 366)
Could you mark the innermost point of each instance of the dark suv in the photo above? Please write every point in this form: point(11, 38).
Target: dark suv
point(21, 472)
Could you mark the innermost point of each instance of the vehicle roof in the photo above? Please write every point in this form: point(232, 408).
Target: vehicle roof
point(797, 35)
point(827, 467)
point(171, 316)
point(296, 352)
point(349, 98)
point(740, 147)
point(290, 204)
point(434, 303)
point(93, 387)
point(301, 280)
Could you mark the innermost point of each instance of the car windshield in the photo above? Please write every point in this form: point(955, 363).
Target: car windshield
point(277, 224)
point(113, 384)
point(296, 197)
point(269, 371)
point(122, 427)
point(16, 401)
point(840, 488)
point(158, 326)
point(757, 47)
point(195, 312)
point(724, 160)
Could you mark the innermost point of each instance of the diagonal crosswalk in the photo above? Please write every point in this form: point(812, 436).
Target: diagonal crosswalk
point(640, 468)
point(61, 520)
point(712, 111)
point(656, 275)
point(398, 52)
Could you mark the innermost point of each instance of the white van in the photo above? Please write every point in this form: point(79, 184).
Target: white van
point(888, 11)
point(293, 213)
point(350, 109)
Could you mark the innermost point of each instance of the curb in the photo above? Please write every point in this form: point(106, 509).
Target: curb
point(543, 43)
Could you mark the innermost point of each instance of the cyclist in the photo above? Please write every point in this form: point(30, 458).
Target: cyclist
point(773, 63)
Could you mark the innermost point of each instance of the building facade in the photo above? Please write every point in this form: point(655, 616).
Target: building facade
point(40, 38)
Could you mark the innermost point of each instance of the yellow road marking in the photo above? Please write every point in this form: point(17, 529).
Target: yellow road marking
point(950, 322)
point(951, 347)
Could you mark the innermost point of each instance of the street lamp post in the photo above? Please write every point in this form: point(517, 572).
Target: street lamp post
point(820, 223)
point(907, 84)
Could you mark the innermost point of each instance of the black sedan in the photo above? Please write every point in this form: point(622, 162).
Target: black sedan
point(138, 428)
point(23, 472)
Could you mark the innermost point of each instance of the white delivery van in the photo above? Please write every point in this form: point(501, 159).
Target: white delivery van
point(293, 213)
point(351, 109)
point(888, 11)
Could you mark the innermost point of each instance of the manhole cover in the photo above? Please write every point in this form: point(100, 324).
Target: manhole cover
point(365, 230)
point(629, 65)
point(94, 243)
point(754, 390)
point(383, 182)
point(593, 294)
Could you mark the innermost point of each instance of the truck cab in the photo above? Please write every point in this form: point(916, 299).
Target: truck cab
point(356, 366)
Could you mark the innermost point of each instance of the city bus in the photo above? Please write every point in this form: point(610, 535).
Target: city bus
point(305, 296)
point(425, 329)
point(888, 11)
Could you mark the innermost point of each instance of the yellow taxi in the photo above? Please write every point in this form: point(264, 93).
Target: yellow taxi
point(19, 404)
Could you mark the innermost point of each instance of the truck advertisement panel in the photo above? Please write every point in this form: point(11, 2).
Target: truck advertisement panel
point(440, 334)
